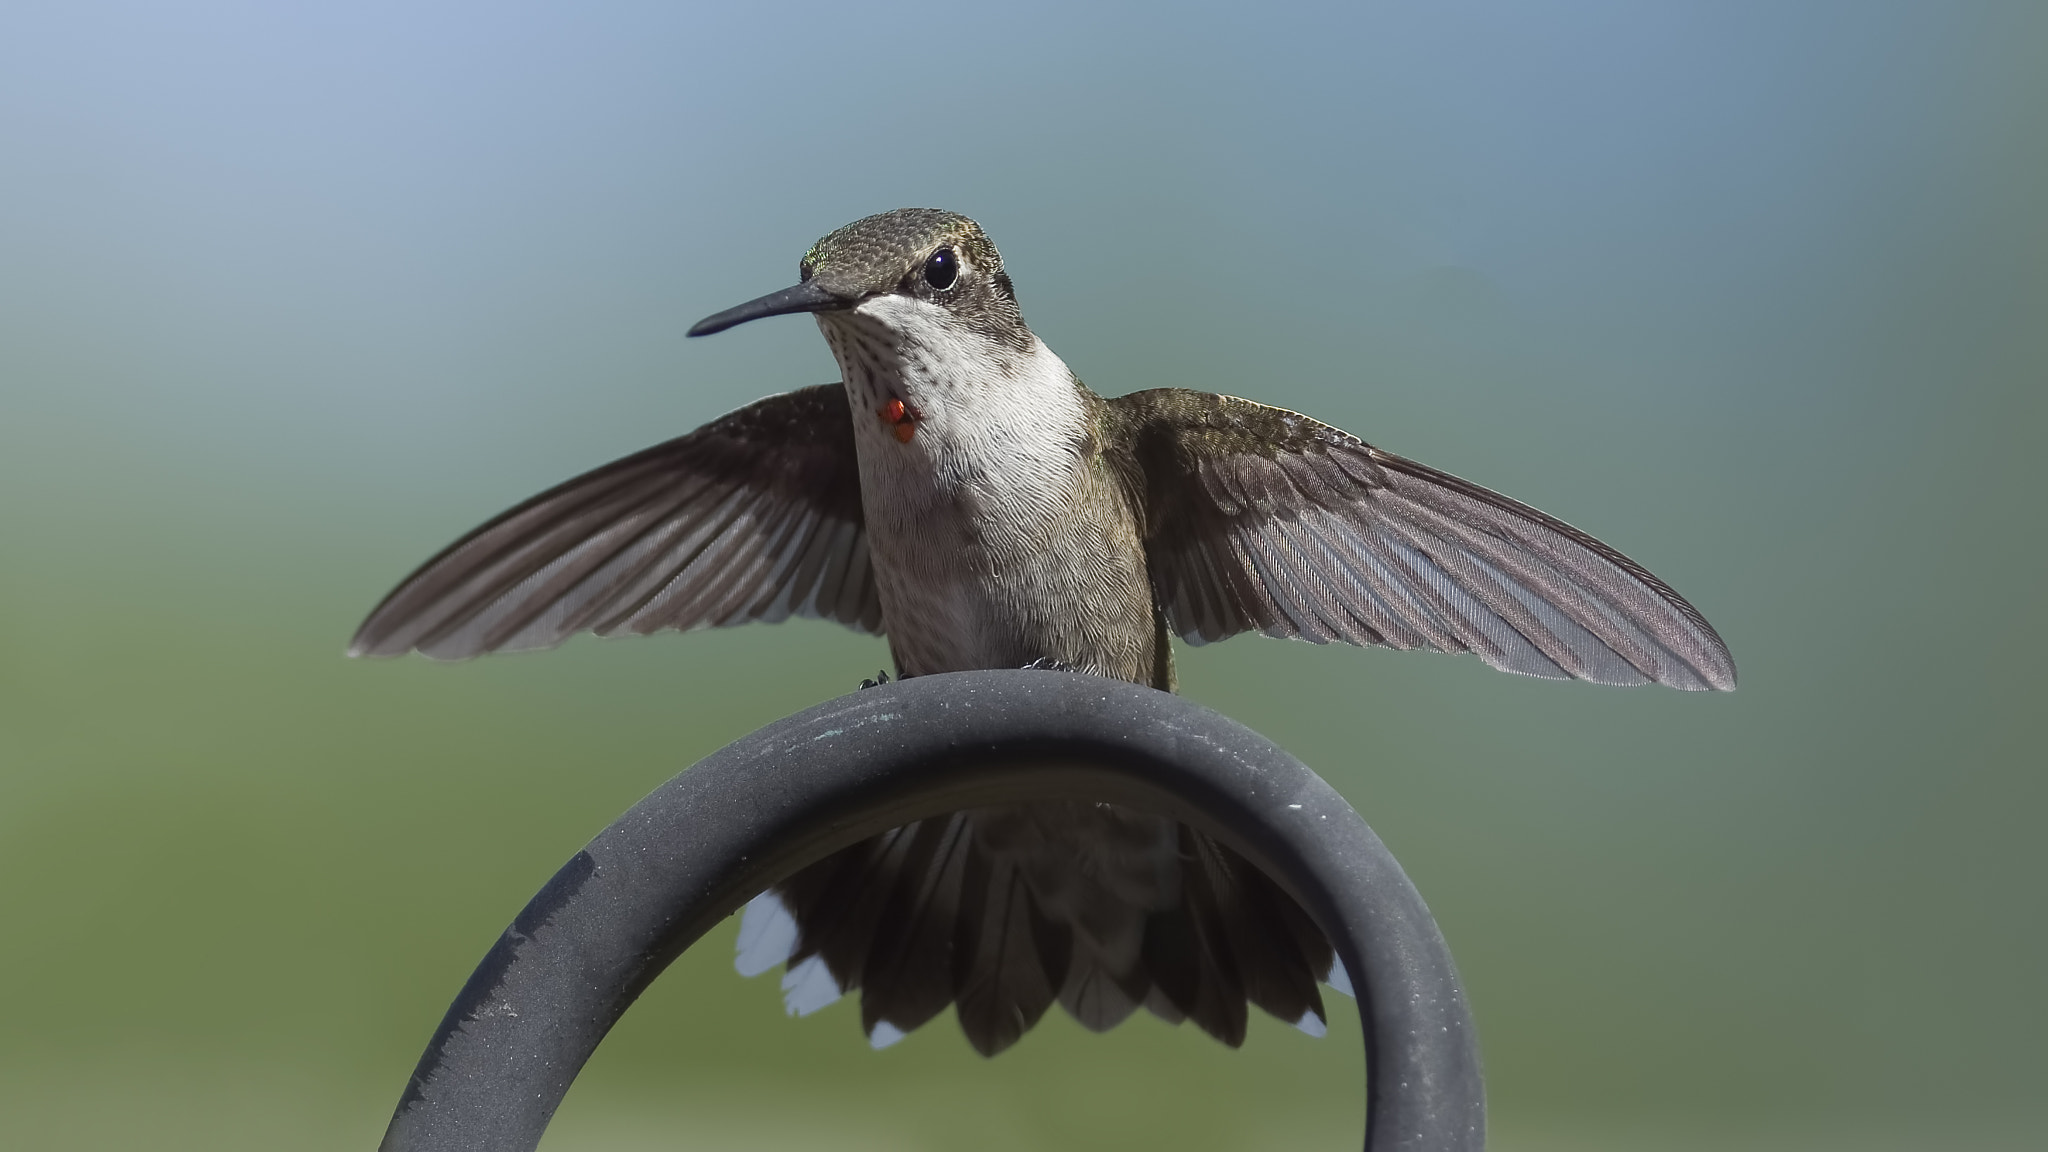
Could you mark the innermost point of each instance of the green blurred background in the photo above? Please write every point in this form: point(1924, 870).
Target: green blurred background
point(291, 295)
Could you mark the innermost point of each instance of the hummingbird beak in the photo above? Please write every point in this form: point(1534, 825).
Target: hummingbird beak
point(808, 296)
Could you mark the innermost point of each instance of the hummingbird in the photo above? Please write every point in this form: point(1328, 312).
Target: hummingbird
point(961, 492)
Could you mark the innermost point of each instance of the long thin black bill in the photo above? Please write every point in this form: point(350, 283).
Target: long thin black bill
point(805, 297)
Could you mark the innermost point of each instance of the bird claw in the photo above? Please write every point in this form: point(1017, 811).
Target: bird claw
point(881, 678)
point(1048, 664)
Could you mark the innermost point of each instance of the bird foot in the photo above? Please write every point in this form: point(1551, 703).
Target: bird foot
point(881, 678)
point(1048, 664)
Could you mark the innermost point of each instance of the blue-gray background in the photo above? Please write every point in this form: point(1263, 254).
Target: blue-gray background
point(291, 295)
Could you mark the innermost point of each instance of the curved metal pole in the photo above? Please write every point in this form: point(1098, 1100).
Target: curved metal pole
point(760, 808)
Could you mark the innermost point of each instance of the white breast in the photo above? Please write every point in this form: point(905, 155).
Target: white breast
point(973, 523)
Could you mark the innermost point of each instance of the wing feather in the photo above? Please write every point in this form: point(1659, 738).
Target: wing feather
point(755, 516)
point(1260, 519)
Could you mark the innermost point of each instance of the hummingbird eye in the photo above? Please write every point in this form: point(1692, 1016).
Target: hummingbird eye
point(941, 268)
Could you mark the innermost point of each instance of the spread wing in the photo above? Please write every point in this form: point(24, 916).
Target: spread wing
point(1258, 518)
point(754, 516)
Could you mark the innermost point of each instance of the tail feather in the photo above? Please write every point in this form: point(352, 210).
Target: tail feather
point(907, 978)
point(837, 918)
point(808, 986)
point(767, 935)
point(999, 979)
point(1159, 1004)
point(1002, 911)
point(1251, 913)
point(1218, 1004)
point(1284, 921)
point(1093, 996)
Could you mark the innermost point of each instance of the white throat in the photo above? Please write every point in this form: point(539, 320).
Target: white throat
point(982, 411)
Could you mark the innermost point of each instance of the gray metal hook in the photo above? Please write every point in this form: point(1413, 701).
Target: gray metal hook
point(758, 809)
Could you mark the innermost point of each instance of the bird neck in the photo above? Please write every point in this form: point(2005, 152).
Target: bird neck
point(918, 379)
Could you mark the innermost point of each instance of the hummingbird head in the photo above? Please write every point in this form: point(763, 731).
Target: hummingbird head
point(912, 268)
point(921, 318)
